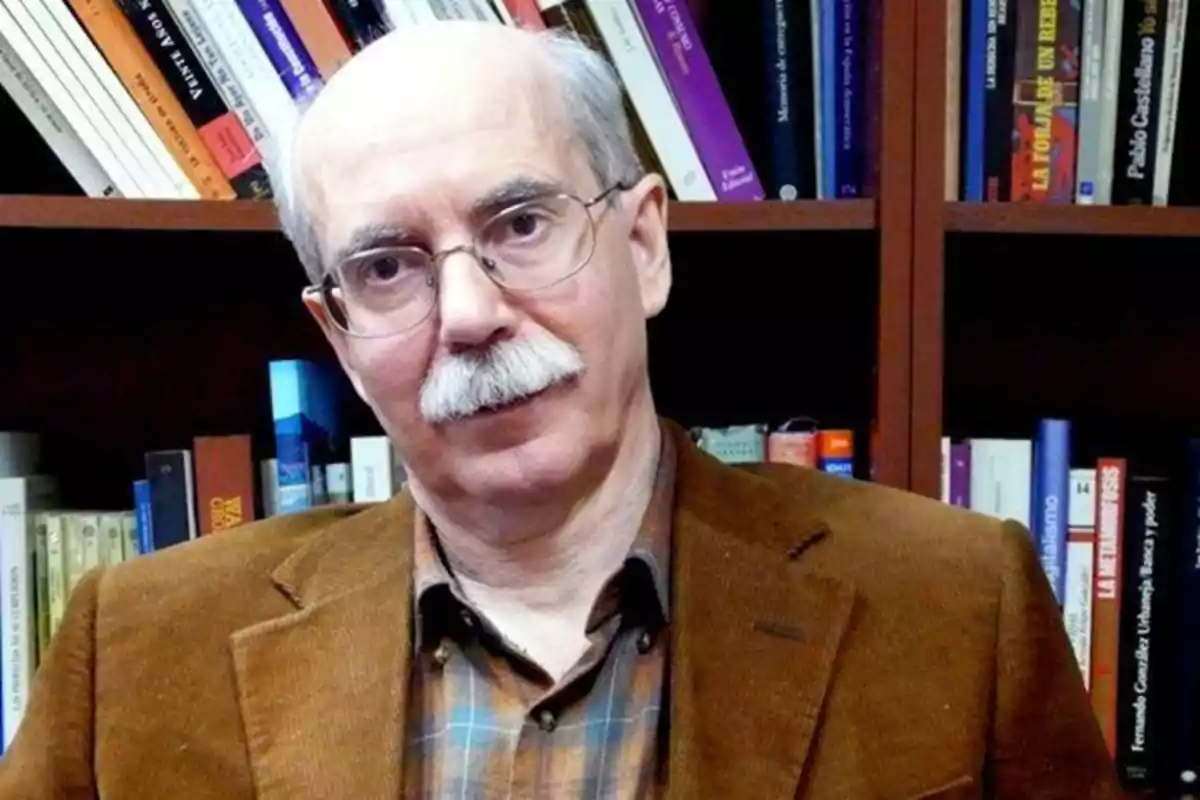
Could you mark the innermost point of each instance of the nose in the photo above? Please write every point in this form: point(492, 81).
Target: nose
point(473, 310)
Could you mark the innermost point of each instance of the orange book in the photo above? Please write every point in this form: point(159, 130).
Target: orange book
point(224, 482)
point(526, 14)
point(1106, 594)
point(123, 50)
point(319, 32)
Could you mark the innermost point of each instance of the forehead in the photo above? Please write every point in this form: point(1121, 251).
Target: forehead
point(420, 153)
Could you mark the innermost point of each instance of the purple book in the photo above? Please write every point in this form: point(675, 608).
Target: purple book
point(672, 33)
point(960, 475)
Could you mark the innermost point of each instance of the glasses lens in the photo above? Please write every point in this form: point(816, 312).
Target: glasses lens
point(538, 243)
point(384, 291)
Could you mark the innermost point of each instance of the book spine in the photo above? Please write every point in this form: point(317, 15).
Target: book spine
point(171, 504)
point(1046, 81)
point(224, 482)
point(819, 70)
point(68, 51)
point(1140, 91)
point(28, 42)
point(144, 515)
point(363, 20)
point(169, 179)
point(246, 57)
point(693, 83)
point(1149, 519)
point(784, 177)
point(573, 16)
point(56, 569)
point(1110, 80)
point(1050, 516)
point(120, 45)
point(218, 70)
point(828, 94)
point(848, 102)
point(960, 475)
point(998, 89)
point(1087, 170)
point(220, 129)
point(617, 26)
point(1081, 555)
point(51, 125)
point(1107, 594)
point(319, 31)
point(1172, 79)
point(976, 105)
point(525, 13)
point(284, 49)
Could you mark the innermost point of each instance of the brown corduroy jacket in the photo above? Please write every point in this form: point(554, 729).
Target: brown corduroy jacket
point(829, 639)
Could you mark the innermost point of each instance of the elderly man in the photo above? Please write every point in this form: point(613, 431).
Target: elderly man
point(572, 601)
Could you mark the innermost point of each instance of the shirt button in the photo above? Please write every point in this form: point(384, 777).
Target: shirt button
point(442, 654)
point(644, 642)
point(468, 619)
point(546, 720)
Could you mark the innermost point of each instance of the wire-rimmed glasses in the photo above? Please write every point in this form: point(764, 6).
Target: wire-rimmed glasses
point(533, 245)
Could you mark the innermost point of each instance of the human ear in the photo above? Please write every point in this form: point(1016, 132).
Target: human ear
point(334, 335)
point(647, 205)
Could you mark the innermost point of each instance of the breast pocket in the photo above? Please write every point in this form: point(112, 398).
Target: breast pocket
point(963, 788)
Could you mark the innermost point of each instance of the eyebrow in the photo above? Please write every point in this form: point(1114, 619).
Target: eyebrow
point(508, 193)
point(512, 192)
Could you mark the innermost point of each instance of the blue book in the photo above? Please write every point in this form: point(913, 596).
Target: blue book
point(828, 26)
point(975, 40)
point(286, 52)
point(143, 517)
point(304, 407)
point(1051, 487)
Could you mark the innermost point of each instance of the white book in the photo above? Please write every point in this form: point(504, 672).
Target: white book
point(405, 13)
point(169, 178)
point(621, 30)
point(376, 469)
point(1081, 549)
point(20, 500)
point(244, 54)
point(56, 132)
point(1110, 82)
point(215, 64)
point(1168, 108)
point(31, 46)
point(1002, 478)
point(945, 469)
point(503, 13)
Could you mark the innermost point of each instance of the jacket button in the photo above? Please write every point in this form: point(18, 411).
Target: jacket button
point(546, 720)
point(442, 654)
point(644, 642)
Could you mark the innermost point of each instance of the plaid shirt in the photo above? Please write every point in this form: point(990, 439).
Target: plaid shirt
point(485, 723)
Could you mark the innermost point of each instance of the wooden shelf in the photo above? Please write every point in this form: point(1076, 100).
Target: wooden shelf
point(1073, 219)
point(34, 211)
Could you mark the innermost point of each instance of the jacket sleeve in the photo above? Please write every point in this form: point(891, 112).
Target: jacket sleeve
point(1046, 742)
point(50, 758)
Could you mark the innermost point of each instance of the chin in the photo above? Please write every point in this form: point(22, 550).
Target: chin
point(526, 469)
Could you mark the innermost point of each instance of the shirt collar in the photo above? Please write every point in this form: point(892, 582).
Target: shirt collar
point(645, 584)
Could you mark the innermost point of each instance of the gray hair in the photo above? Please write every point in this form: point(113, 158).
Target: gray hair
point(592, 97)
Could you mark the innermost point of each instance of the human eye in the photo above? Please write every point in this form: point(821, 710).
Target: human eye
point(384, 269)
point(527, 225)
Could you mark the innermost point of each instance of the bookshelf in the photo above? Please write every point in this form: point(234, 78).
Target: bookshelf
point(1115, 357)
point(111, 354)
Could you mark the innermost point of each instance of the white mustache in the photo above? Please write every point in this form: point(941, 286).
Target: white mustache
point(464, 384)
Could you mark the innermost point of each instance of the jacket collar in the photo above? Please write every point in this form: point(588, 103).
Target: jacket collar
point(754, 635)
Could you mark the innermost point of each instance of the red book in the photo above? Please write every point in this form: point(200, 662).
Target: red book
point(224, 482)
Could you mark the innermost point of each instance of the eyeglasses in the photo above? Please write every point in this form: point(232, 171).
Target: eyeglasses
point(531, 246)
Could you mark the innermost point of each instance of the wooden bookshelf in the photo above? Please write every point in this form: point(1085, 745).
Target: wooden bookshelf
point(1073, 219)
point(37, 211)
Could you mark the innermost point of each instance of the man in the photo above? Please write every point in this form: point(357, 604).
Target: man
point(572, 601)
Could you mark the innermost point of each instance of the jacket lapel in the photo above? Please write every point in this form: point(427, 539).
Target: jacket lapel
point(323, 688)
point(754, 637)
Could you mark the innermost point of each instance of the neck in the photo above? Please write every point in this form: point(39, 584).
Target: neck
point(554, 554)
